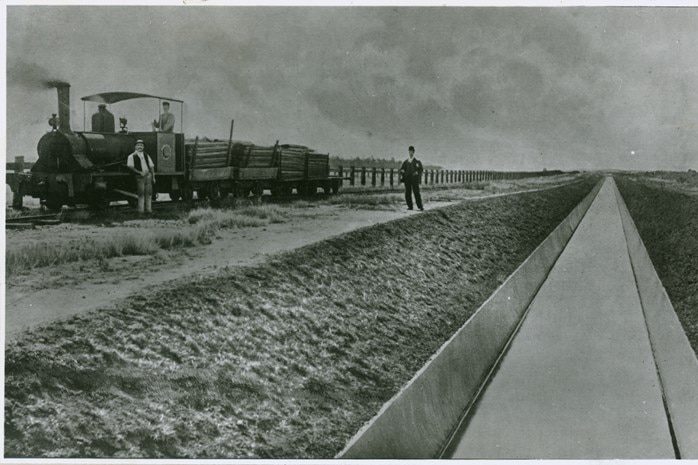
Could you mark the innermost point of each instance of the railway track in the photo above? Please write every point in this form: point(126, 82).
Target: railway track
point(29, 222)
point(83, 213)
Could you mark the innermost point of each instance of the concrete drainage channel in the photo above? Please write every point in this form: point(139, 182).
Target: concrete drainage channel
point(436, 414)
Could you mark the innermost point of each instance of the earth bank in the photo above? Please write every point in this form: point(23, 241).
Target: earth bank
point(283, 359)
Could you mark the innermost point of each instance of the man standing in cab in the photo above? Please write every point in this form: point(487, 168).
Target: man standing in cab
point(142, 166)
point(167, 119)
point(411, 175)
point(103, 120)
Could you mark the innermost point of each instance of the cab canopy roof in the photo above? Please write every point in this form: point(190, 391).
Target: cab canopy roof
point(114, 97)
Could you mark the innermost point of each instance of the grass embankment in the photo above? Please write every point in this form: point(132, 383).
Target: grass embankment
point(196, 227)
point(667, 221)
point(284, 359)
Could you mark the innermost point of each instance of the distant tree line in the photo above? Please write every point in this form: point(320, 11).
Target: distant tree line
point(371, 162)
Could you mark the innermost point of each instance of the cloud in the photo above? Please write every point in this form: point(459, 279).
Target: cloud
point(495, 86)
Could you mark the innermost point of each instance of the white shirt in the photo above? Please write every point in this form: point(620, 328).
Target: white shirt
point(144, 164)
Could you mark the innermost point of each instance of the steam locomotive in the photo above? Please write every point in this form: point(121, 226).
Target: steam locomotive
point(90, 167)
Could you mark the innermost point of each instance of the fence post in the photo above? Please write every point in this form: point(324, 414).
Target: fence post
point(352, 175)
point(391, 177)
point(341, 175)
point(373, 176)
point(363, 175)
point(382, 177)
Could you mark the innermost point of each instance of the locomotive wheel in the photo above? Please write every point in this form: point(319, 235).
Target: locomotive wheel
point(99, 202)
point(187, 194)
point(286, 190)
point(133, 203)
point(176, 195)
point(53, 204)
point(257, 190)
point(335, 187)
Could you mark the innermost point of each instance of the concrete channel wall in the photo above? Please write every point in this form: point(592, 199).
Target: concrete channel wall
point(676, 362)
point(418, 421)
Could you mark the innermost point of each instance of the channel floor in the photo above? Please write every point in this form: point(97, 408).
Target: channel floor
point(579, 380)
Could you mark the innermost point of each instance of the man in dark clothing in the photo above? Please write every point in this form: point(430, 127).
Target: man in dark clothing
point(103, 120)
point(411, 175)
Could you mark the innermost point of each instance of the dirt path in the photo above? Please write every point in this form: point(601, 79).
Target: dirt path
point(26, 307)
point(59, 292)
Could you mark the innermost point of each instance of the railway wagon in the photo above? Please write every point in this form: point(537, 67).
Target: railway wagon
point(89, 167)
point(219, 168)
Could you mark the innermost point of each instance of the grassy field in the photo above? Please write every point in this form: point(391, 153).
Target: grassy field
point(197, 226)
point(667, 220)
point(179, 227)
point(284, 359)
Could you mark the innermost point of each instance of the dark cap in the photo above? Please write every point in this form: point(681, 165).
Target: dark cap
point(166, 103)
point(102, 105)
point(139, 141)
point(411, 148)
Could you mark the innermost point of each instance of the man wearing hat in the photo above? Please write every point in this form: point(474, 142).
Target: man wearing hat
point(142, 166)
point(411, 175)
point(167, 119)
point(103, 120)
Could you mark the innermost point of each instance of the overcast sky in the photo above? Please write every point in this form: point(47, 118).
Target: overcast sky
point(489, 88)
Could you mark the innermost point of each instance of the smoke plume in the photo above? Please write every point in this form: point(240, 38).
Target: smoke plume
point(31, 76)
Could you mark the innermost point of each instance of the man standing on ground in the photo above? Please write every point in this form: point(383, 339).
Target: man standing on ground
point(142, 166)
point(411, 175)
point(167, 119)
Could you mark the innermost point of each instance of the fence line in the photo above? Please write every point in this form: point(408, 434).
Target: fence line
point(381, 177)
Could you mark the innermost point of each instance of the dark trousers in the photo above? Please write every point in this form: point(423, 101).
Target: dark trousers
point(412, 187)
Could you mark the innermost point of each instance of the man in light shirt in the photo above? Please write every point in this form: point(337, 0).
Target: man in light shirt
point(142, 166)
point(167, 119)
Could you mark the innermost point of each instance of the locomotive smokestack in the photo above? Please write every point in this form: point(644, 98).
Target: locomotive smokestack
point(63, 89)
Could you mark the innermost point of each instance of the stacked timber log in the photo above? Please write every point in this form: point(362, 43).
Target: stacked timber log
point(205, 153)
point(258, 157)
point(318, 165)
point(210, 154)
point(292, 158)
